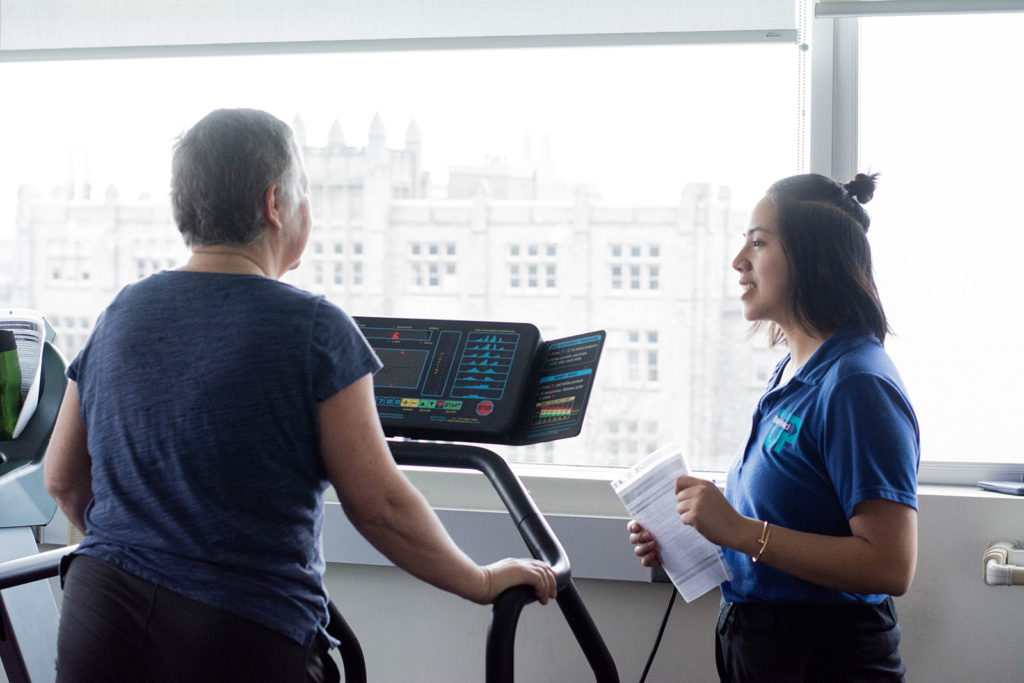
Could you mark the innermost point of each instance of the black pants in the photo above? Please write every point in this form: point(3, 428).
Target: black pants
point(760, 643)
point(117, 627)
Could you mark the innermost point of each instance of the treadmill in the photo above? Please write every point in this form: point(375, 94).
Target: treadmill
point(447, 381)
point(28, 612)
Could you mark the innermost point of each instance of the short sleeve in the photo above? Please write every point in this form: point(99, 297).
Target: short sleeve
point(872, 442)
point(340, 352)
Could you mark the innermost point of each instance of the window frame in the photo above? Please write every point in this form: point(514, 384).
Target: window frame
point(834, 145)
point(832, 125)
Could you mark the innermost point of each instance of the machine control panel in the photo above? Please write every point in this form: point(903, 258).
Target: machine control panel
point(490, 382)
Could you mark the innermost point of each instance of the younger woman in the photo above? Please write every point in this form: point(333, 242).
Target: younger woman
point(818, 522)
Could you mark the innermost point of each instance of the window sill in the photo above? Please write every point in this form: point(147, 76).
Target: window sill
point(579, 505)
point(565, 490)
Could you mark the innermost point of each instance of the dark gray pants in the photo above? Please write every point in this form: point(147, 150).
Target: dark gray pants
point(117, 627)
point(761, 643)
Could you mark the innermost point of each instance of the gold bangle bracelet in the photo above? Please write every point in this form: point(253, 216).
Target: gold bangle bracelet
point(766, 533)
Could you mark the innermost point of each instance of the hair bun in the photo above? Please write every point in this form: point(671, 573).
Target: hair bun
point(862, 187)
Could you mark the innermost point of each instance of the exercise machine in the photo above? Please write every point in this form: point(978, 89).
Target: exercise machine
point(28, 612)
point(491, 382)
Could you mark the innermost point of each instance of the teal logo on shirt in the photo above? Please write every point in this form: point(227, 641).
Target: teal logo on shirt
point(785, 428)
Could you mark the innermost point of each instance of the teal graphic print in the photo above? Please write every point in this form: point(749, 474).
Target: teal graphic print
point(785, 428)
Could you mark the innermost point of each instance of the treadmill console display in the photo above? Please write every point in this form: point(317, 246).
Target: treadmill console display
point(489, 382)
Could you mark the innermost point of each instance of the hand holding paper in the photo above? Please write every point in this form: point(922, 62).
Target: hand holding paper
point(702, 505)
point(693, 563)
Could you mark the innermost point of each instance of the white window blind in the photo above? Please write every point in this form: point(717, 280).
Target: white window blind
point(869, 8)
point(55, 25)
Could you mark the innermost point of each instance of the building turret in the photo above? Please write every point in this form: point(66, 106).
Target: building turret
point(376, 151)
point(413, 139)
point(336, 137)
point(299, 130)
point(414, 147)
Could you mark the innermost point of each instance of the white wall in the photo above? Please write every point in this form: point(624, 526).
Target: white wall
point(955, 628)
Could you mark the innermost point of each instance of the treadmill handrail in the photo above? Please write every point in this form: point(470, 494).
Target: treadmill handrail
point(36, 567)
point(541, 541)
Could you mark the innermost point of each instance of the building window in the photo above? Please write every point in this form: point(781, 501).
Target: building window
point(70, 262)
point(433, 266)
point(642, 356)
point(532, 268)
point(356, 261)
point(640, 262)
point(629, 440)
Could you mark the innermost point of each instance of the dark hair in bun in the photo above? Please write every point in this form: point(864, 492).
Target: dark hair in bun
point(814, 187)
point(862, 187)
point(823, 229)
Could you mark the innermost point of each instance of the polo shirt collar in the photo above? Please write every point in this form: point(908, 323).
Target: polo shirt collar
point(829, 352)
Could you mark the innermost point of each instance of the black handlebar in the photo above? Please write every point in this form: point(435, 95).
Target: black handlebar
point(539, 538)
point(543, 545)
point(32, 568)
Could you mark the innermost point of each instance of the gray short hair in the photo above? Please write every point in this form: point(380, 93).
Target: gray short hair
point(220, 172)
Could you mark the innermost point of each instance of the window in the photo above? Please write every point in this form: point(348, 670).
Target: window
point(946, 216)
point(432, 266)
point(356, 265)
point(628, 440)
point(642, 357)
point(532, 268)
point(641, 265)
point(334, 266)
point(69, 262)
point(592, 212)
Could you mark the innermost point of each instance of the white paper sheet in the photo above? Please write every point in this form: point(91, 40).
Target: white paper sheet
point(648, 491)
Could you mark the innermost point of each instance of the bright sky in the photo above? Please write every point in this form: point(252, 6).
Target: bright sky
point(636, 121)
point(941, 112)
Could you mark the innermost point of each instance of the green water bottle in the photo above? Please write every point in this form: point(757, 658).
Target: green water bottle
point(10, 384)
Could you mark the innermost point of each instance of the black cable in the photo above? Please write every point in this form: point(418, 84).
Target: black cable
point(661, 632)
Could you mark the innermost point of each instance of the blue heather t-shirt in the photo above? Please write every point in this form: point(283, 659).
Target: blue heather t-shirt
point(199, 393)
point(840, 432)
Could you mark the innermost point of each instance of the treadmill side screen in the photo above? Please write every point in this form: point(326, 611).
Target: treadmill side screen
point(451, 379)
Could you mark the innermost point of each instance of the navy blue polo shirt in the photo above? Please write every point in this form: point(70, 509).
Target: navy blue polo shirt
point(840, 432)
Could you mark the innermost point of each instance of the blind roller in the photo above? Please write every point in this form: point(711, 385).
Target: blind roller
point(71, 24)
point(870, 8)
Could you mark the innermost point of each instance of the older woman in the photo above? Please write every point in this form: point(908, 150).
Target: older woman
point(206, 416)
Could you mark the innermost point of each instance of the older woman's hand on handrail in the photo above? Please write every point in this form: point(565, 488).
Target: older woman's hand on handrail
point(510, 572)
